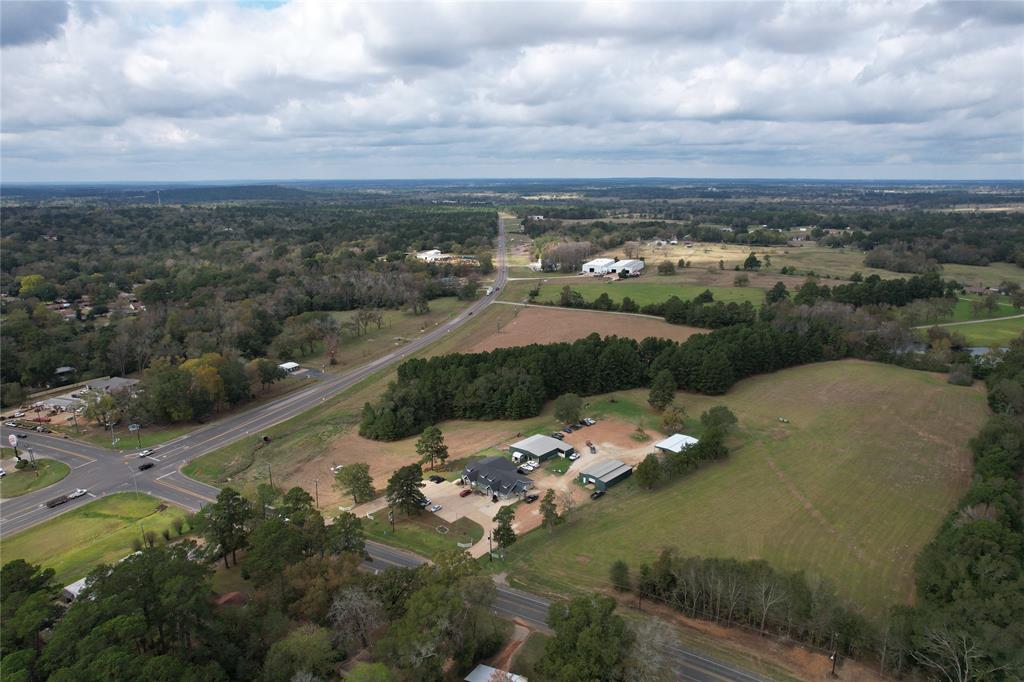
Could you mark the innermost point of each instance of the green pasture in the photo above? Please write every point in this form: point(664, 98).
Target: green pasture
point(646, 291)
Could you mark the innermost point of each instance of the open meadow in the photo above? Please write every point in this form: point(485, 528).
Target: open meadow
point(100, 531)
point(851, 489)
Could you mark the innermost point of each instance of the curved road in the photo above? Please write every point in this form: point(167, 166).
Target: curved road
point(102, 471)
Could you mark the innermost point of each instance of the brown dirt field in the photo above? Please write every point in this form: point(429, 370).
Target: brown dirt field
point(543, 325)
point(462, 437)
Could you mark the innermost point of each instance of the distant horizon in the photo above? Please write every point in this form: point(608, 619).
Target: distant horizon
point(911, 91)
point(235, 182)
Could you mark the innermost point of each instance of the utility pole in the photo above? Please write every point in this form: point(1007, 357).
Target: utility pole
point(270, 472)
point(490, 555)
point(316, 488)
point(835, 653)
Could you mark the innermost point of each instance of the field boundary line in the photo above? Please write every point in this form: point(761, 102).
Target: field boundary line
point(587, 310)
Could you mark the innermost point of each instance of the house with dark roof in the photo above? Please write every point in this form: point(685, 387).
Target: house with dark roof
point(496, 476)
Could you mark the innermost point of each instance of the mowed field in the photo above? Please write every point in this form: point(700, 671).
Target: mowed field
point(552, 325)
point(646, 289)
point(822, 260)
point(851, 489)
point(98, 532)
point(994, 333)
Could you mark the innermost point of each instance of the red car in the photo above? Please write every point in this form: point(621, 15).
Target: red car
point(466, 493)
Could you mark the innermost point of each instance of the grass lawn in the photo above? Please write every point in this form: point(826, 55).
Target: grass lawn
point(528, 655)
point(47, 472)
point(98, 532)
point(420, 533)
point(647, 289)
point(997, 333)
point(964, 310)
point(558, 465)
point(872, 459)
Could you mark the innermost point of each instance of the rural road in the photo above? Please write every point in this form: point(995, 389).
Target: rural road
point(532, 611)
point(103, 472)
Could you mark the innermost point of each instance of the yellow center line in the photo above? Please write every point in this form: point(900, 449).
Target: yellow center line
point(184, 490)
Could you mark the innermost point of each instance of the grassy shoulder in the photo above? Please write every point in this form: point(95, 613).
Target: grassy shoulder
point(850, 489)
point(152, 436)
point(45, 473)
point(425, 534)
point(101, 531)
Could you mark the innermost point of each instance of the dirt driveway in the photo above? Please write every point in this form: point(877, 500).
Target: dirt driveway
point(613, 440)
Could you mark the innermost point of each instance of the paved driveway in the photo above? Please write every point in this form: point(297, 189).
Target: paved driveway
point(478, 508)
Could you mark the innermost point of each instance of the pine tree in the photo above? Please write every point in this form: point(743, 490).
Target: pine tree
point(549, 510)
point(503, 533)
point(663, 390)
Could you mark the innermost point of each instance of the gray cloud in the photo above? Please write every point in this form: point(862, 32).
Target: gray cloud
point(205, 91)
point(23, 22)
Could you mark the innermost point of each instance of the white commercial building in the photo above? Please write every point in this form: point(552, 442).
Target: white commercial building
point(430, 256)
point(627, 267)
point(676, 443)
point(289, 366)
point(598, 266)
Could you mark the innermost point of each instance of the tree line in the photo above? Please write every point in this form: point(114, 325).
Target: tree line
point(513, 383)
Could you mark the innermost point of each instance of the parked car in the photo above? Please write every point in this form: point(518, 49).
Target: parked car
point(574, 456)
point(78, 493)
point(522, 470)
point(2, 472)
point(593, 450)
point(558, 434)
point(579, 425)
point(43, 429)
point(147, 465)
point(596, 494)
point(567, 429)
point(436, 508)
point(336, 468)
point(22, 435)
point(425, 502)
point(437, 479)
point(11, 424)
point(531, 498)
point(145, 453)
point(588, 421)
point(466, 493)
point(19, 415)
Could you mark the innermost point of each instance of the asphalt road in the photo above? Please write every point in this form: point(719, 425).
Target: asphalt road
point(103, 472)
point(532, 610)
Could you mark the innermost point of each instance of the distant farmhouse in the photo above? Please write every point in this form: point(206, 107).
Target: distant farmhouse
point(496, 476)
point(605, 473)
point(539, 448)
point(676, 443)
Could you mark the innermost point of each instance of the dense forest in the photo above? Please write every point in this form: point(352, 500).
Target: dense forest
point(107, 291)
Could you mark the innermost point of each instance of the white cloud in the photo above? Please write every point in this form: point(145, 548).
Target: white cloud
point(218, 90)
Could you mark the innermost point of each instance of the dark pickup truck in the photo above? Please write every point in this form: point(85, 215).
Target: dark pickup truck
point(57, 501)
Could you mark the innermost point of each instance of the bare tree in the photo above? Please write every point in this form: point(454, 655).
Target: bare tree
point(954, 656)
point(566, 501)
point(356, 614)
point(769, 593)
point(648, 661)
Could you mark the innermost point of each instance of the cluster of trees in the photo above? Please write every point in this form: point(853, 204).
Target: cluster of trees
point(968, 618)
point(750, 594)
point(229, 280)
point(877, 291)
point(152, 616)
point(716, 423)
point(513, 383)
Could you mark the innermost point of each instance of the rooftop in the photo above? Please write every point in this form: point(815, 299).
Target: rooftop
point(498, 474)
point(606, 470)
point(676, 442)
point(541, 444)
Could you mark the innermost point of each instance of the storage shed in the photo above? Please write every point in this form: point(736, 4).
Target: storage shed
point(627, 267)
point(598, 266)
point(539, 448)
point(605, 473)
point(676, 443)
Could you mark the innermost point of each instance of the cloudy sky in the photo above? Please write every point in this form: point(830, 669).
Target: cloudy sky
point(207, 91)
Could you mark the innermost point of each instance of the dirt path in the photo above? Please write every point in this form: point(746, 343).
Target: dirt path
point(957, 324)
point(503, 659)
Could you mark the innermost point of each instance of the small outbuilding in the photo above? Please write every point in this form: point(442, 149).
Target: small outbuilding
point(496, 476)
point(71, 592)
point(289, 366)
point(605, 473)
point(676, 443)
point(539, 448)
point(485, 673)
point(598, 266)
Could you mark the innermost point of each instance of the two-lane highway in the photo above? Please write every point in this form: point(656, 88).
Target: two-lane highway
point(104, 471)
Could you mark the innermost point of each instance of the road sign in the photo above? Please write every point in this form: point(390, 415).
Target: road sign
point(13, 440)
point(133, 427)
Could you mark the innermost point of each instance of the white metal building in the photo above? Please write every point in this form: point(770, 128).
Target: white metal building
point(598, 266)
point(627, 267)
point(289, 366)
point(676, 443)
